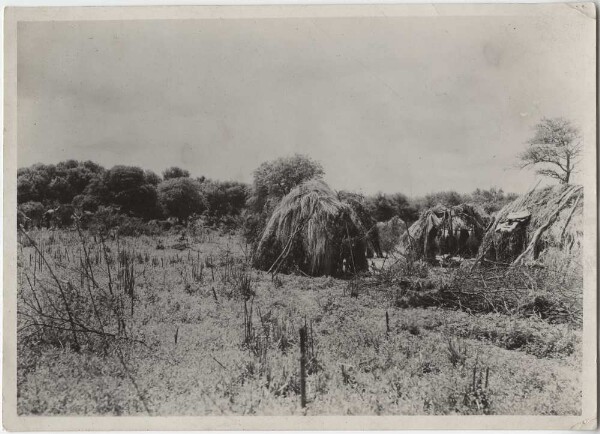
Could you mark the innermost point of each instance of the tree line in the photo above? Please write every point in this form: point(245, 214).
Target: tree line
point(86, 187)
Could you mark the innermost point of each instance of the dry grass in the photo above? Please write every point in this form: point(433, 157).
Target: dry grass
point(221, 338)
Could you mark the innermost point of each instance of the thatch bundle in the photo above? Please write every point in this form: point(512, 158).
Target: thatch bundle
point(313, 231)
point(442, 230)
point(539, 222)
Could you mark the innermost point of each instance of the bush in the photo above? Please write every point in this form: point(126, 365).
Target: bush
point(104, 220)
point(180, 198)
point(127, 187)
point(30, 214)
point(225, 202)
point(134, 227)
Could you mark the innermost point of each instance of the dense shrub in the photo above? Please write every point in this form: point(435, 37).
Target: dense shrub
point(491, 200)
point(30, 213)
point(384, 207)
point(61, 182)
point(180, 198)
point(225, 201)
point(134, 226)
point(105, 219)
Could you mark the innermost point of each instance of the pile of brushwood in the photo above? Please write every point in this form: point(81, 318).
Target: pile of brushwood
point(520, 291)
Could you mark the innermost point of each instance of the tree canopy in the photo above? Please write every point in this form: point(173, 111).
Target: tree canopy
point(386, 206)
point(60, 183)
point(127, 187)
point(180, 197)
point(224, 199)
point(554, 149)
point(274, 179)
point(175, 172)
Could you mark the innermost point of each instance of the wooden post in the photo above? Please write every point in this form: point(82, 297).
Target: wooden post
point(487, 376)
point(303, 366)
point(387, 322)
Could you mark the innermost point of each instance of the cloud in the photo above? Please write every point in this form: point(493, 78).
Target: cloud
point(399, 104)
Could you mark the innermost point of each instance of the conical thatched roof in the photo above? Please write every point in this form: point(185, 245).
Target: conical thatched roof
point(537, 223)
point(445, 230)
point(313, 230)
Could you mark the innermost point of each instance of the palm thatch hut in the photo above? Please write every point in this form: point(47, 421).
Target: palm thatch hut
point(541, 222)
point(313, 231)
point(442, 230)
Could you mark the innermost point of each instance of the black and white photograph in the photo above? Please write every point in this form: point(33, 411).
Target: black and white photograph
point(370, 211)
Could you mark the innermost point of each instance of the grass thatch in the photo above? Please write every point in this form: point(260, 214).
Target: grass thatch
point(446, 230)
point(554, 228)
point(313, 231)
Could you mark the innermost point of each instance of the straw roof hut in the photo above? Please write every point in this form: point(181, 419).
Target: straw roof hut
point(441, 230)
point(534, 225)
point(313, 231)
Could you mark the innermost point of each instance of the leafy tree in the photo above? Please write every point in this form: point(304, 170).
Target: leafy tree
point(386, 206)
point(274, 179)
point(60, 183)
point(175, 172)
point(491, 200)
point(446, 198)
point(95, 194)
point(152, 178)
point(71, 178)
point(180, 197)
point(33, 183)
point(86, 202)
point(127, 187)
point(224, 199)
point(555, 149)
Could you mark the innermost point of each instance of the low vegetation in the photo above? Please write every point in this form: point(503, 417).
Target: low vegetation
point(141, 294)
point(139, 325)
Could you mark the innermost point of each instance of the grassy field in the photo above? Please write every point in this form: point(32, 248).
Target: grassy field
point(208, 335)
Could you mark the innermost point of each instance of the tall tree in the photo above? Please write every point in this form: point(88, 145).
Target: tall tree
point(554, 149)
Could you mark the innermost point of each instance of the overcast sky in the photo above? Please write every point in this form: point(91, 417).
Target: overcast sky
point(397, 104)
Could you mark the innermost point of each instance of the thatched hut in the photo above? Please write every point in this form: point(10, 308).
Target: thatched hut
point(537, 223)
point(313, 231)
point(442, 230)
